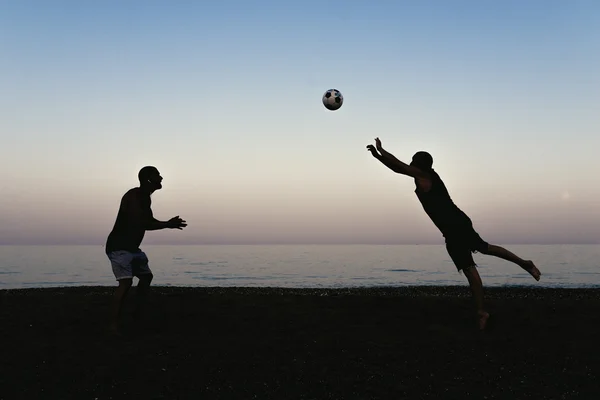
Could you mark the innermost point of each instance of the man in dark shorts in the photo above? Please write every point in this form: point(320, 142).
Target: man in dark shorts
point(456, 227)
point(123, 244)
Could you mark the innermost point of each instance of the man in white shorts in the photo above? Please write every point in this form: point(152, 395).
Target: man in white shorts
point(123, 244)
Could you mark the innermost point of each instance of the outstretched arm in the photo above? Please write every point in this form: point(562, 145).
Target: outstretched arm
point(390, 161)
point(387, 161)
point(173, 223)
point(143, 214)
point(152, 224)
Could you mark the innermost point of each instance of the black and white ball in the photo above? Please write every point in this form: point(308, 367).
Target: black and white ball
point(333, 99)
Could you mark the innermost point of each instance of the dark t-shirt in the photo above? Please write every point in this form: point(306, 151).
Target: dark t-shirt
point(438, 204)
point(129, 229)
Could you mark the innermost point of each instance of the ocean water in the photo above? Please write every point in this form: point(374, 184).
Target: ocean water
point(297, 266)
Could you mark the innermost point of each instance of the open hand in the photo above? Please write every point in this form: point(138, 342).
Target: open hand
point(373, 150)
point(177, 223)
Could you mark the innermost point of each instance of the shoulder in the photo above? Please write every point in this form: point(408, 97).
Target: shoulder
point(136, 196)
point(133, 191)
point(434, 175)
point(416, 172)
point(131, 194)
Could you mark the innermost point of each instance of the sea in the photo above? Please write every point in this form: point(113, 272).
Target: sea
point(298, 266)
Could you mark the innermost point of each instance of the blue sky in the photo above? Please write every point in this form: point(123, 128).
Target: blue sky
point(224, 98)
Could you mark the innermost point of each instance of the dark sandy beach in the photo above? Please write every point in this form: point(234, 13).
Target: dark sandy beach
point(244, 343)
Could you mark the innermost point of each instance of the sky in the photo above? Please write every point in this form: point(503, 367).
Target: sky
point(224, 98)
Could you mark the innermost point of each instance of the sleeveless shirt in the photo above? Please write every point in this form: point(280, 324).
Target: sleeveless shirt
point(438, 205)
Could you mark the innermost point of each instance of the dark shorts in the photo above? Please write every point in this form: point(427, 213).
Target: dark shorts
point(462, 244)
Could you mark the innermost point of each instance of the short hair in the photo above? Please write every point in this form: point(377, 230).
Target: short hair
point(423, 159)
point(146, 172)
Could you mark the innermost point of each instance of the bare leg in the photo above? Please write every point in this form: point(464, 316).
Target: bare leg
point(477, 290)
point(118, 298)
point(504, 254)
point(143, 288)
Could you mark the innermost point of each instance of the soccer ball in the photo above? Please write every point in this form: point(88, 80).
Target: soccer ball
point(333, 99)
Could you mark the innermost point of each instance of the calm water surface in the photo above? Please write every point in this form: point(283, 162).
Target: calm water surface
point(297, 266)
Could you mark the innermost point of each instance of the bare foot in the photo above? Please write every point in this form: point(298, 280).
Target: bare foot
point(530, 267)
point(483, 318)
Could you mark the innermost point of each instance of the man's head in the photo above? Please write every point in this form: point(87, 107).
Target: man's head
point(150, 178)
point(422, 160)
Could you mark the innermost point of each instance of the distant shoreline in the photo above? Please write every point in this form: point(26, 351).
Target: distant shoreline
point(529, 292)
point(295, 244)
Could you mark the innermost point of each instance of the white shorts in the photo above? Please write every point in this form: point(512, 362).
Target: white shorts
point(126, 265)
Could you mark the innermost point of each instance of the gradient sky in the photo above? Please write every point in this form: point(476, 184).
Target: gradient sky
point(224, 97)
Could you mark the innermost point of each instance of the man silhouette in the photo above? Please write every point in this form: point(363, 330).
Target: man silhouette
point(456, 227)
point(123, 244)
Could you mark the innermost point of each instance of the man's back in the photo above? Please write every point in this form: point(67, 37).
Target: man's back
point(128, 231)
point(438, 204)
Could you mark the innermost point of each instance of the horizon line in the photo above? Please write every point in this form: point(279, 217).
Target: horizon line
point(305, 244)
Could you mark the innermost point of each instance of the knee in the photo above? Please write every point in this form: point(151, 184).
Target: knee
point(468, 270)
point(472, 274)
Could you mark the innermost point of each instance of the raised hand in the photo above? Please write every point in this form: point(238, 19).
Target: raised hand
point(373, 150)
point(378, 144)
